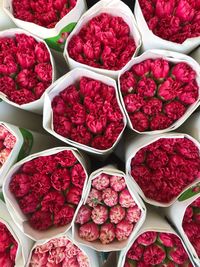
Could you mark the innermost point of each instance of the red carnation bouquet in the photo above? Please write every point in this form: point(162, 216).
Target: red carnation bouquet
point(163, 166)
point(159, 90)
point(15, 246)
point(105, 38)
point(172, 25)
point(156, 244)
point(51, 20)
point(44, 191)
point(84, 110)
point(110, 212)
point(185, 215)
point(62, 251)
point(26, 69)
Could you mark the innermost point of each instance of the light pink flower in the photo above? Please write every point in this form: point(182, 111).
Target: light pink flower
point(110, 197)
point(3, 132)
point(107, 233)
point(99, 214)
point(9, 141)
point(84, 214)
point(133, 214)
point(123, 230)
point(126, 200)
point(117, 183)
point(101, 182)
point(94, 198)
point(117, 214)
point(89, 231)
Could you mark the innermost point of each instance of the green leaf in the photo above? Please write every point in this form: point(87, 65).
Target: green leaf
point(2, 197)
point(27, 145)
point(192, 191)
point(58, 42)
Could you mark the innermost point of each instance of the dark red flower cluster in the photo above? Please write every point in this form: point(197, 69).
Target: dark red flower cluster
point(49, 188)
point(172, 20)
point(7, 142)
point(110, 212)
point(191, 224)
point(166, 167)
point(25, 68)
point(104, 42)
point(157, 249)
point(8, 247)
point(45, 13)
point(157, 93)
point(88, 113)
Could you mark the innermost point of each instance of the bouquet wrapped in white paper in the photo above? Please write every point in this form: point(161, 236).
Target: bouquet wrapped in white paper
point(162, 166)
point(110, 213)
point(104, 40)
point(52, 22)
point(15, 246)
point(43, 191)
point(159, 90)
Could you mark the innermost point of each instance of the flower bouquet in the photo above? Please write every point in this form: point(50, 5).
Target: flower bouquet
point(15, 246)
point(49, 20)
point(185, 215)
point(26, 69)
point(84, 110)
point(171, 25)
point(163, 166)
point(156, 244)
point(62, 251)
point(110, 213)
point(159, 90)
point(104, 40)
point(44, 190)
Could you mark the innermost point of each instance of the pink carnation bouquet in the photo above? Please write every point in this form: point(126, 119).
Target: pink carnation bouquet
point(109, 213)
point(159, 90)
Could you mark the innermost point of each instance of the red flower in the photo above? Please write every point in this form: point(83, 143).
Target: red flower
point(142, 68)
point(20, 184)
point(96, 123)
point(164, 8)
point(189, 93)
point(183, 72)
point(160, 122)
point(146, 87)
point(7, 85)
point(78, 175)
point(65, 158)
point(41, 53)
point(174, 110)
point(52, 202)
point(135, 252)
point(152, 107)
point(169, 89)
point(127, 82)
point(26, 58)
point(154, 254)
point(81, 135)
point(44, 72)
point(29, 203)
point(64, 216)
point(22, 96)
point(133, 102)
point(184, 11)
point(61, 179)
point(147, 238)
point(41, 220)
point(40, 184)
point(139, 121)
point(74, 195)
point(178, 255)
point(70, 95)
point(26, 79)
point(8, 65)
point(160, 68)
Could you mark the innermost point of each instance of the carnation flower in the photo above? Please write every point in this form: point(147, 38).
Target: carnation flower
point(133, 214)
point(123, 230)
point(117, 183)
point(107, 233)
point(101, 182)
point(147, 238)
point(94, 197)
point(99, 214)
point(64, 215)
point(154, 254)
point(117, 214)
point(84, 215)
point(89, 231)
point(110, 197)
point(125, 199)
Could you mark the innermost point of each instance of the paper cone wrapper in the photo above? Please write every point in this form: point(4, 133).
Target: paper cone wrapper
point(20, 219)
point(192, 126)
point(174, 58)
point(176, 212)
point(65, 81)
point(114, 8)
point(54, 37)
point(150, 40)
point(115, 245)
point(37, 105)
point(133, 145)
point(90, 253)
point(196, 54)
point(154, 223)
point(24, 243)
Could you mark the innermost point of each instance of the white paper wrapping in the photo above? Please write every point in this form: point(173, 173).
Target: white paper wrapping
point(173, 57)
point(50, 35)
point(115, 245)
point(153, 222)
point(35, 106)
point(175, 214)
point(90, 253)
point(192, 126)
point(196, 54)
point(24, 243)
point(133, 145)
point(150, 40)
point(13, 207)
point(112, 7)
point(69, 79)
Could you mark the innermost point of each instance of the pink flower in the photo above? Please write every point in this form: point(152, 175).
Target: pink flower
point(154, 254)
point(73, 196)
point(9, 141)
point(142, 68)
point(178, 255)
point(164, 8)
point(133, 214)
point(147, 238)
point(117, 214)
point(183, 72)
point(84, 215)
point(3, 132)
point(99, 214)
point(110, 197)
point(152, 107)
point(44, 72)
point(174, 110)
point(20, 185)
point(78, 175)
point(135, 252)
point(107, 233)
point(160, 122)
point(146, 87)
point(169, 89)
point(167, 239)
point(60, 179)
point(127, 82)
point(117, 183)
point(94, 198)
point(89, 231)
point(125, 199)
point(133, 102)
point(139, 121)
point(123, 230)
point(184, 11)
point(101, 182)
point(160, 68)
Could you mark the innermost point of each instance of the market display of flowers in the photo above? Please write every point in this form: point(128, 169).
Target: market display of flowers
point(156, 93)
point(110, 212)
